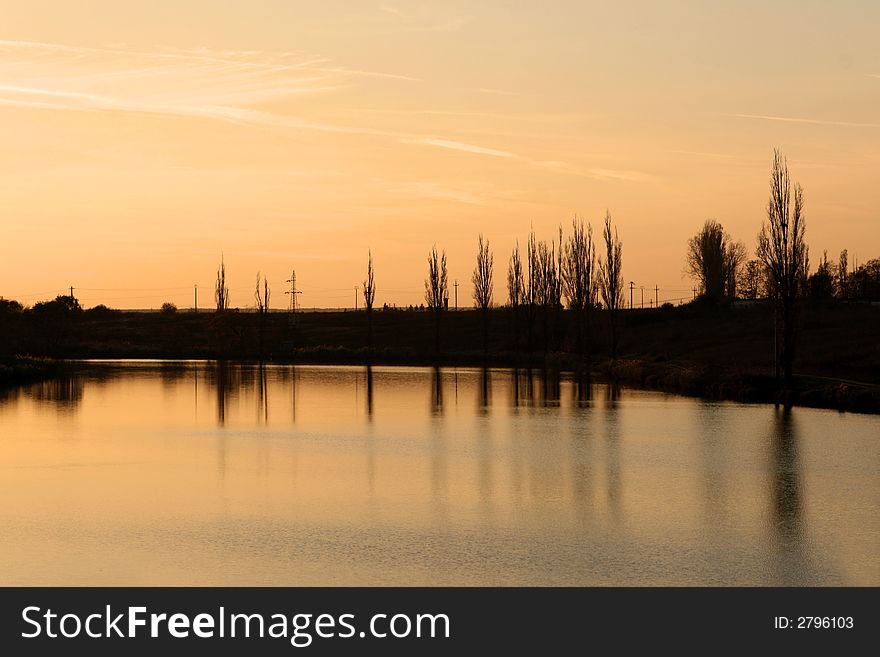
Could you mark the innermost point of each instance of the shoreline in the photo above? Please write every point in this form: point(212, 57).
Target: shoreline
point(709, 352)
point(676, 377)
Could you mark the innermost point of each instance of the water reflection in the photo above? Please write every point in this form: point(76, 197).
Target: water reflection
point(172, 373)
point(437, 392)
point(786, 496)
point(712, 438)
point(226, 380)
point(292, 382)
point(485, 391)
point(262, 395)
point(583, 387)
point(528, 482)
point(65, 393)
point(550, 379)
point(523, 387)
point(612, 444)
point(546, 381)
point(369, 377)
point(438, 456)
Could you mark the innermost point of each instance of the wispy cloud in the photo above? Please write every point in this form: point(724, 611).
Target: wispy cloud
point(445, 26)
point(222, 85)
point(459, 146)
point(701, 153)
point(532, 117)
point(437, 192)
point(494, 92)
point(793, 119)
point(617, 174)
point(231, 86)
point(414, 19)
point(394, 11)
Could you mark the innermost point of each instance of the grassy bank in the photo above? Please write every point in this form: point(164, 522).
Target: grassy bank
point(742, 386)
point(20, 370)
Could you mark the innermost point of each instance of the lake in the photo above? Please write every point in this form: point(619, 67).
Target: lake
point(203, 473)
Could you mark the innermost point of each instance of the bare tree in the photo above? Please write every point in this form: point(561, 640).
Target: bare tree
point(516, 291)
point(532, 288)
point(369, 297)
point(482, 280)
point(436, 291)
point(611, 280)
point(579, 274)
point(262, 298)
point(782, 250)
point(262, 295)
point(516, 285)
point(843, 275)
point(803, 279)
point(546, 286)
point(221, 292)
point(735, 255)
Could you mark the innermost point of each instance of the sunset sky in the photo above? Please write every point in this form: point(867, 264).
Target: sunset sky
point(139, 140)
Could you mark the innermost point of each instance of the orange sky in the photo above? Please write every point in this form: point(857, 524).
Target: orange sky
point(142, 139)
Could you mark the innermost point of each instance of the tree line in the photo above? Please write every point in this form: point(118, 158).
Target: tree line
point(581, 273)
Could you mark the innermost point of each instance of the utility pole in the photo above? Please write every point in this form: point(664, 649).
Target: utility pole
point(292, 292)
point(642, 287)
point(355, 297)
point(71, 292)
point(656, 296)
point(196, 298)
point(455, 285)
point(631, 286)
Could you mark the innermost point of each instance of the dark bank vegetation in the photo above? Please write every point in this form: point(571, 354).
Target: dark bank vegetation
point(720, 351)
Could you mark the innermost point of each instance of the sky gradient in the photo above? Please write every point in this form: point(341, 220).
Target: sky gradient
point(143, 139)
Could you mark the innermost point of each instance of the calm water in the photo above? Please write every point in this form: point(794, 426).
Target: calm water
point(196, 473)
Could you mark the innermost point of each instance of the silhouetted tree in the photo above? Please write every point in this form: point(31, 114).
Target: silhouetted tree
point(751, 281)
point(611, 280)
point(221, 292)
point(63, 303)
point(482, 280)
point(56, 321)
point(714, 260)
point(168, 308)
point(865, 281)
point(12, 328)
point(547, 292)
point(532, 288)
point(436, 291)
point(705, 259)
point(579, 273)
point(734, 257)
point(821, 283)
point(782, 249)
point(10, 307)
point(369, 298)
point(261, 296)
point(843, 275)
point(803, 279)
point(516, 291)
